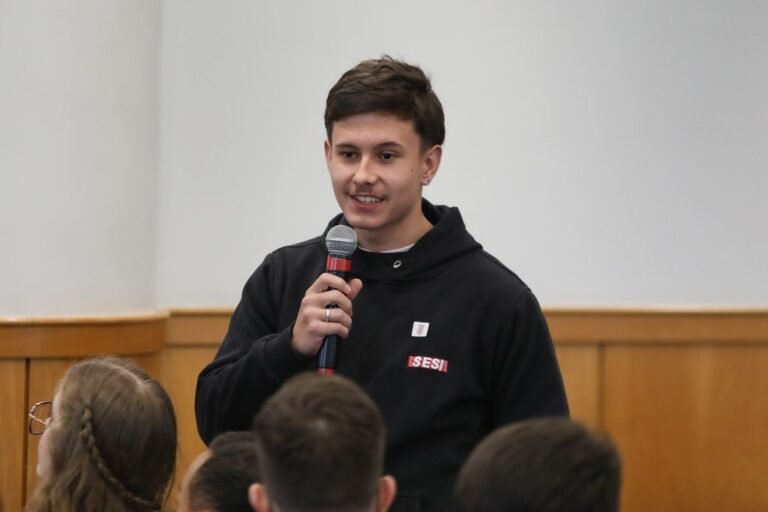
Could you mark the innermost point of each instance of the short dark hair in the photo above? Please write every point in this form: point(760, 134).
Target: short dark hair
point(320, 444)
point(221, 483)
point(388, 85)
point(542, 465)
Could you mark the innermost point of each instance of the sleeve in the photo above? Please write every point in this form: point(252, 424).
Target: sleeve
point(253, 361)
point(527, 381)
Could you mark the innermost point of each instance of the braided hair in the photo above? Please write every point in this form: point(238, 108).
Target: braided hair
point(86, 434)
point(112, 441)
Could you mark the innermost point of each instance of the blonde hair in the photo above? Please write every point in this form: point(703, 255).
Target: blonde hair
point(113, 443)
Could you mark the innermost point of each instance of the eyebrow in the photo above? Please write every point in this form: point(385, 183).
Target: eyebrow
point(382, 145)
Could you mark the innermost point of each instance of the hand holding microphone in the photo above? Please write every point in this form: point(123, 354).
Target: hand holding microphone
point(325, 313)
point(341, 242)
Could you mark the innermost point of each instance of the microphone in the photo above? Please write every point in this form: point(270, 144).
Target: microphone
point(341, 242)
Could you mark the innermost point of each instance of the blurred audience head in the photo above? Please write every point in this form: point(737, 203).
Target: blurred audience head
point(218, 479)
point(320, 442)
point(541, 465)
point(109, 441)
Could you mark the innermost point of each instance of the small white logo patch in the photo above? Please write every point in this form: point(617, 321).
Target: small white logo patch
point(420, 329)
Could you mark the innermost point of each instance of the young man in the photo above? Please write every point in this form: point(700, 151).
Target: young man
point(448, 342)
point(541, 465)
point(320, 442)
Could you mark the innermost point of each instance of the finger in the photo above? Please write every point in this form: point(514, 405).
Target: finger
point(355, 286)
point(338, 316)
point(328, 281)
point(312, 314)
point(339, 323)
point(330, 297)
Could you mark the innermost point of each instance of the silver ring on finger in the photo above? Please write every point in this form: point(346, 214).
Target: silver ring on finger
point(327, 314)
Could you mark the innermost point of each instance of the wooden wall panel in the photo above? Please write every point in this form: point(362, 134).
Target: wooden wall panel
point(652, 325)
point(691, 425)
point(682, 391)
point(82, 336)
point(181, 365)
point(13, 425)
point(202, 327)
point(580, 366)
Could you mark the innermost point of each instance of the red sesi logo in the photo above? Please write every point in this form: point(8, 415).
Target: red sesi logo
point(428, 363)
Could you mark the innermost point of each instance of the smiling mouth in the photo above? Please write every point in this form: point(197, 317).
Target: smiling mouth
point(367, 199)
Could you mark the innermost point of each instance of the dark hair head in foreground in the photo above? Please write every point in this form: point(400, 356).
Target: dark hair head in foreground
point(541, 465)
point(218, 479)
point(320, 444)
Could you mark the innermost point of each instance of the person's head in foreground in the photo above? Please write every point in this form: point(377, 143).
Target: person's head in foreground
point(218, 479)
point(109, 441)
point(541, 465)
point(320, 443)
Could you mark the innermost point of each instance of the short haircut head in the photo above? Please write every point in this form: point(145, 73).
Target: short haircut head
point(541, 465)
point(321, 445)
point(389, 86)
point(112, 443)
point(221, 483)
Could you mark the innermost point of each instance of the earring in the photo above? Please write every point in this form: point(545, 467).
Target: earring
point(426, 181)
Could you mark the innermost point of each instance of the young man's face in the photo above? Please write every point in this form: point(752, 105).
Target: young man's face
point(377, 169)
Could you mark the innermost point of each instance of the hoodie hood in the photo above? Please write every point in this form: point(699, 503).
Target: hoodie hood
point(447, 241)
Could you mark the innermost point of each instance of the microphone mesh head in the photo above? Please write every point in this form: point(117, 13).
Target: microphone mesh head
point(341, 240)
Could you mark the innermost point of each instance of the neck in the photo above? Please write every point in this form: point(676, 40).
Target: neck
point(377, 241)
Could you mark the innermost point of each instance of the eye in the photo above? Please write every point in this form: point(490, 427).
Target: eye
point(347, 155)
point(387, 155)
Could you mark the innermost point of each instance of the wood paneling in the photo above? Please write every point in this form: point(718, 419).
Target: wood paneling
point(682, 391)
point(646, 326)
point(13, 426)
point(198, 326)
point(568, 325)
point(81, 337)
point(691, 425)
point(580, 366)
point(180, 369)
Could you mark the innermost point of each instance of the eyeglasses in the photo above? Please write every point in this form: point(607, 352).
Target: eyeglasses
point(39, 417)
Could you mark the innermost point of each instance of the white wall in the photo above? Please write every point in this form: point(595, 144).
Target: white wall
point(612, 153)
point(78, 135)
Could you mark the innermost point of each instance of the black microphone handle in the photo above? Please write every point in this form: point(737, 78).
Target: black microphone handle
point(328, 356)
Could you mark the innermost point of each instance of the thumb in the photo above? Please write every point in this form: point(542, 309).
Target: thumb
point(355, 286)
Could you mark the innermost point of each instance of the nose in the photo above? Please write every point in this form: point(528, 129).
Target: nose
point(365, 172)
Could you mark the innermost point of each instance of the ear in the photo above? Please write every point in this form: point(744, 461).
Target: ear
point(327, 149)
point(432, 158)
point(258, 497)
point(387, 491)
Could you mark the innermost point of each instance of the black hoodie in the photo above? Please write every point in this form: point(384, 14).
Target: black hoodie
point(449, 343)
